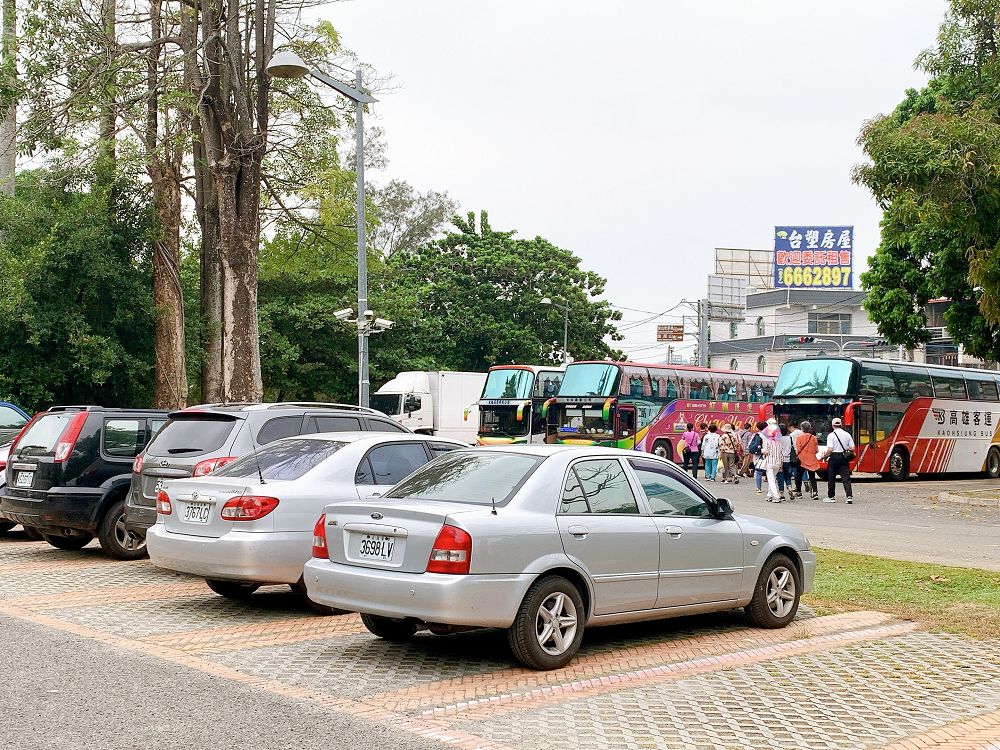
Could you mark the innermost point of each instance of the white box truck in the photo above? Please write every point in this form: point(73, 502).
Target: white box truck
point(438, 403)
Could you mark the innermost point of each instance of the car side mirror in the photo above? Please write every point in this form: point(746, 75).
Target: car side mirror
point(723, 507)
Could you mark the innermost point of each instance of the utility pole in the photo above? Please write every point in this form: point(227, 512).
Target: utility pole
point(703, 333)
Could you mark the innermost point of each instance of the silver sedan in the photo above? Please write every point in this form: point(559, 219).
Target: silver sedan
point(545, 540)
point(250, 523)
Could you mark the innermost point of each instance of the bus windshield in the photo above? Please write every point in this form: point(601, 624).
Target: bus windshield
point(589, 380)
point(815, 377)
point(509, 384)
point(502, 421)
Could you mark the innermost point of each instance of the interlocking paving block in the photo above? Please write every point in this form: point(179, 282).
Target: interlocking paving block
point(98, 572)
point(139, 619)
point(356, 666)
point(860, 696)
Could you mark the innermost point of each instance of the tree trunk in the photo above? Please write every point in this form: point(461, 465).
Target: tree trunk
point(207, 207)
point(171, 369)
point(8, 127)
point(237, 183)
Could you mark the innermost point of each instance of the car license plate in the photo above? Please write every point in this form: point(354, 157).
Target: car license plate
point(376, 547)
point(23, 478)
point(197, 512)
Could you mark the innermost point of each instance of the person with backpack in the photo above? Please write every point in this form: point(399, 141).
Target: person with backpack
point(807, 449)
point(691, 446)
point(839, 454)
point(729, 452)
point(710, 452)
point(755, 449)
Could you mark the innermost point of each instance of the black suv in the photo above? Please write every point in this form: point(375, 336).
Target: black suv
point(200, 439)
point(69, 473)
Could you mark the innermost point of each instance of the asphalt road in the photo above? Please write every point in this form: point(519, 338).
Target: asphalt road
point(902, 520)
point(59, 691)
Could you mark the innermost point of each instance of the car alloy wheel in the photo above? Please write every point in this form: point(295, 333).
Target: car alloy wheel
point(127, 540)
point(780, 592)
point(556, 623)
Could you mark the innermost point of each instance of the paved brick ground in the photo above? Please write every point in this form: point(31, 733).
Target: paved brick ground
point(856, 680)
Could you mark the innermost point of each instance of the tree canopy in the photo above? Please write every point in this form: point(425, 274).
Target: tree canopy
point(933, 170)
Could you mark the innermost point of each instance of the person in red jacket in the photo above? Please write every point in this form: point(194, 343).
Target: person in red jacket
point(807, 449)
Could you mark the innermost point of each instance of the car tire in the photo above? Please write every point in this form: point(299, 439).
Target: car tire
point(533, 640)
point(770, 606)
point(232, 589)
point(299, 587)
point(6, 526)
point(899, 465)
point(117, 541)
point(68, 542)
point(993, 463)
point(32, 533)
point(389, 629)
point(663, 449)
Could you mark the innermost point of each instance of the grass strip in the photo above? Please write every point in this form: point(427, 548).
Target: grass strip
point(955, 600)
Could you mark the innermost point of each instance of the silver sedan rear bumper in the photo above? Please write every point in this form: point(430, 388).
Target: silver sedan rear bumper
point(475, 600)
point(260, 557)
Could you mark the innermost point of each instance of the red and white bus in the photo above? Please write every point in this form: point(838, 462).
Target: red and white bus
point(905, 418)
point(645, 407)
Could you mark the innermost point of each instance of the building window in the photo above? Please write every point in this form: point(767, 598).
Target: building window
point(734, 364)
point(760, 326)
point(827, 324)
point(761, 364)
point(734, 329)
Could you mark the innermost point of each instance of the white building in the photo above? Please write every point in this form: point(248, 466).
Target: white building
point(834, 317)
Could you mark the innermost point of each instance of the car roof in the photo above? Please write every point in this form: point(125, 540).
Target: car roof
point(375, 437)
point(551, 450)
point(243, 408)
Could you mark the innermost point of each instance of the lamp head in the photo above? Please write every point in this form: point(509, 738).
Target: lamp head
point(545, 301)
point(287, 64)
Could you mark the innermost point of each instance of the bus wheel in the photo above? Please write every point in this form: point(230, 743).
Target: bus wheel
point(993, 463)
point(663, 449)
point(899, 465)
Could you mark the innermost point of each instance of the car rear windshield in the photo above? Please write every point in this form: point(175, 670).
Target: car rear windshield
point(479, 478)
point(290, 458)
point(192, 434)
point(43, 435)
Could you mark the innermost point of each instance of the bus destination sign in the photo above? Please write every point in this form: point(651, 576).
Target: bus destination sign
point(813, 257)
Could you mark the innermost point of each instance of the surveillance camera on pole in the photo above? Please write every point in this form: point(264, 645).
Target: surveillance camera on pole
point(344, 314)
point(384, 324)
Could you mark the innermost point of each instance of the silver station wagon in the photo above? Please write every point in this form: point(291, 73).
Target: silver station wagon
point(545, 540)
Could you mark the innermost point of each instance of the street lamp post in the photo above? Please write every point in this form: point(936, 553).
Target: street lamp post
point(287, 64)
point(565, 307)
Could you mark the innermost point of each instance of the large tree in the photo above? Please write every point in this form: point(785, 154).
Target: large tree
point(472, 299)
point(933, 171)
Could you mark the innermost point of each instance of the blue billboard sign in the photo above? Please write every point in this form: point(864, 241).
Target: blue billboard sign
point(813, 257)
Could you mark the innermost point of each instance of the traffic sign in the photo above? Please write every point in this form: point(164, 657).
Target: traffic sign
point(670, 333)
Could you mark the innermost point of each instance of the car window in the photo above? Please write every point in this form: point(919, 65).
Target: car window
point(192, 434)
point(385, 425)
point(10, 419)
point(277, 428)
point(124, 437)
point(667, 495)
point(336, 424)
point(467, 476)
point(44, 433)
point(598, 486)
point(288, 459)
point(155, 425)
point(390, 464)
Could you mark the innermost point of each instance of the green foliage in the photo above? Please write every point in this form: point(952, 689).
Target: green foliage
point(473, 299)
point(934, 171)
point(76, 323)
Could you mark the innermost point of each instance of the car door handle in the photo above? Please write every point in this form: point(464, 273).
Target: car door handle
point(580, 532)
point(674, 531)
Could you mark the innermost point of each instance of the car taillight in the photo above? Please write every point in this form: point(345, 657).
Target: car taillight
point(452, 552)
point(163, 506)
point(137, 465)
point(248, 507)
point(203, 468)
point(319, 539)
point(67, 441)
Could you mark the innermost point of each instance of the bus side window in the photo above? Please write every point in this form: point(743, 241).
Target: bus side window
point(672, 391)
point(876, 380)
point(982, 389)
point(912, 382)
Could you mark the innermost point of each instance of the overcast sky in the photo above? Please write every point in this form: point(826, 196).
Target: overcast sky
point(641, 135)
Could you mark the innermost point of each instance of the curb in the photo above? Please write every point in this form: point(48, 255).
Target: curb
point(986, 502)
